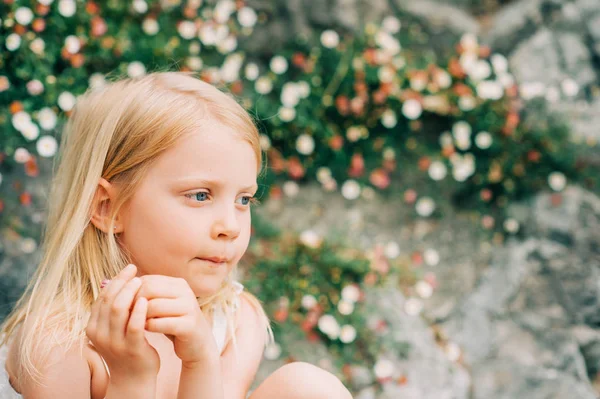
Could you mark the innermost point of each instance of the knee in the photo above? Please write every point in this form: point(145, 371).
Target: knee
point(312, 382)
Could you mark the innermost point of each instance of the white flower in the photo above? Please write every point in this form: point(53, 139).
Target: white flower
point(490, 90)
point(28, 245)
point(443, 79)
point(354, 133)
point(323, 174)
point(437, 170)
point(468, 61)
point(384, 369)
point(66, 101)
point(230, 71)
point(511, 225)
point(350, 190)
point(37, 46)
point(150, 26)
point(463, 167)
point(136, 69)
point(140, 6)
point(424, 289)
point(272, 351)
point(529, 90)
point(392, 250)
point(413, 306)
point(290, 94)
point(425, 206)
point(308, 302)
point(468, 41)
point(391, 24)
point(20, 120)
point(31, 131)
point(263, 85)
point(388, 119)
point(251, 71)
point(23, 15)
point(97, 80)
point(557, 181)
point(186, 29)
point(466, 103)
point(35, 87)
point(22, 155)
point(483, 140)
point(247, 17)
point(208, 35)
point(46, 2)
point(431, 257)
point(303, 89)
point(13, 41)
point(418, 83)
point(47, 118)
point(287, 114)
point(329, 326)
point(278, 65)
point(388, 43)
point(499, 63)
point(311, 239)
point(570, 87)
point(227, 45)
point(72, 44)
point(195, 63)
point(480, 70)
point(461, 131)
point(291, 188)
point(347, 334)
point(446, 139)
point(67, 8)
point(386, 74)
point(46, 146)
point(194, 48)
point(305, 144)
point(506, 79)
point(330, 38)
point(265, 142)
point(351, 293)
point(345, 307)
point(223, 10)
point(412, 109)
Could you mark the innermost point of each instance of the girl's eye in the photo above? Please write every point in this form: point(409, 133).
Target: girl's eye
point(247, 200)
point(200, 196)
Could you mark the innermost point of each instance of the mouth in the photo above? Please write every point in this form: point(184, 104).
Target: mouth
point(214, 261)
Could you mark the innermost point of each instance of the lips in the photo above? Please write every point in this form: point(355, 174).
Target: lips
point(215, 259)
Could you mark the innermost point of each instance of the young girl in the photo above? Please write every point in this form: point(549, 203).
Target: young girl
point(153, 191)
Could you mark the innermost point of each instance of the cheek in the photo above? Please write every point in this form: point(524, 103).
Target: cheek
point(162, 233)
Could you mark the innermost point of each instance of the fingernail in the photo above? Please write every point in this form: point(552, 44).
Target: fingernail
point(129, 267)
point(104, 283)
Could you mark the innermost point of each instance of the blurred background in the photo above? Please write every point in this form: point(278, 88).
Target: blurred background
point(430, 217)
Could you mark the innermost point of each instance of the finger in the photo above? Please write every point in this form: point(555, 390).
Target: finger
point(135, 327)
point(120, 309)
point(158, 286)
point(93, 318)
point(165, 325)
point(115, 286)
point(166, 307)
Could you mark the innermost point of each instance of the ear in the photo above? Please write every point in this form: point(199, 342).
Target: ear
point(101, 206)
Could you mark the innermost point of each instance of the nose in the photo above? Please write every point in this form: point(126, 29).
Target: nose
point(225, 223)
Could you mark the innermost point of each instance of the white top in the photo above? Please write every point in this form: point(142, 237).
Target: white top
point(219, 330)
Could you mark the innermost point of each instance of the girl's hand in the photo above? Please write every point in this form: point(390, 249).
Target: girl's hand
point(117, 331)
point(174, 311)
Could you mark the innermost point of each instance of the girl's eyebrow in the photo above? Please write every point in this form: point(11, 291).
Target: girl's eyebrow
point(209, 182)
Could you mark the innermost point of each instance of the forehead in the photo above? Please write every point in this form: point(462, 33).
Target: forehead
point(212, 151)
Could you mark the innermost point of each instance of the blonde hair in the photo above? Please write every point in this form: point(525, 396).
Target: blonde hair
point(121, 128)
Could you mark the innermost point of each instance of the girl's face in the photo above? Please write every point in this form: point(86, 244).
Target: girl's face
point(190, 216)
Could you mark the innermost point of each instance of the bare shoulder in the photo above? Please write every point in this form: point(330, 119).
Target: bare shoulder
point(64, 373)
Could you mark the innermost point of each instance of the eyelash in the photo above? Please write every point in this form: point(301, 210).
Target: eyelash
point(252, 200)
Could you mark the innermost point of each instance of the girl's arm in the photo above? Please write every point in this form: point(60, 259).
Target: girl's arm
point(201, 381)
